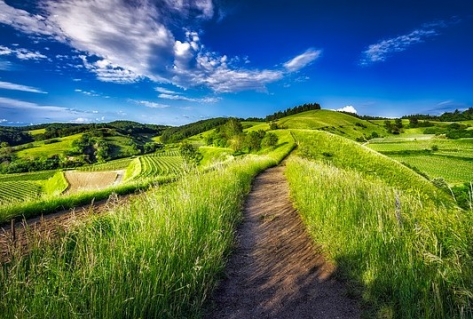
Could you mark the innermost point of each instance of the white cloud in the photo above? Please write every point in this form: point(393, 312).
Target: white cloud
point(19, 87)
point(22, 54)
point(188, 99)
point(124, 42)
point(80, 120)
point(88, 93)
point(33, 112)
point(302, 60)
point(348, 109)
point(164, 90)
point(152, 105)
point(380, 51)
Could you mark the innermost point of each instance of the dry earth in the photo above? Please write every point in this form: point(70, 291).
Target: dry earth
point(82, 181)
point(276, 271)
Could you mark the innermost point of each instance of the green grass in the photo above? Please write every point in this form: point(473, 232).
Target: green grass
point(460, 147)
point(55, 185)
point(452, 170)
point(160, 165)
point(37, 132)
point(33, 176)
point(12, 192)
point(157, 257)
point(107, 166)
point(405, 255)
point(212, 154)
point(332, 121)
point(40, 149)
point(347, 154)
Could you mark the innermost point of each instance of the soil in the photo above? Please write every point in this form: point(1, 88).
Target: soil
point(276, 271)
point(83, 181)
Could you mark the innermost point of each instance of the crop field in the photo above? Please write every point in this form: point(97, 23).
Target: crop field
point(463, 147)
point(452, 170)
point(15, 191)
point(84, 181)
point(161, 164)
point(35, 176)
point(435, 157)
point(108, 166)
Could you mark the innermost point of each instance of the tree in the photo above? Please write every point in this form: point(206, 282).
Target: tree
point(270, 140)
point(190, 153)
point(413, 122)
point(253, 141)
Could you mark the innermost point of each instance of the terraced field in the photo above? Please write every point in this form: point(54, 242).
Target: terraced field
point(167, 163)
point(15, 191)
point(108, 166)
point(435, 157)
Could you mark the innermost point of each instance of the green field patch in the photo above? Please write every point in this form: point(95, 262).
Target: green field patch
point(441, 146)
point(452, 170)
point(16, 191)
point(161, 164)
point(42, 150)
point(333, 122)
point(37, 132)
point(34, 176)
point(108, 166)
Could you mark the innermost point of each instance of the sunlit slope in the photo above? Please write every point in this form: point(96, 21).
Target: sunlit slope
point(344, 153)
point(334, 122)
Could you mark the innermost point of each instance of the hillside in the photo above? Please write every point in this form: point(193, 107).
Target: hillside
point(334, 122)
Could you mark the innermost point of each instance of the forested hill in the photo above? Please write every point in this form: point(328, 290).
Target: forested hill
point(20, 135)
point(455, 116)
point(293, 111)
point(176, 134)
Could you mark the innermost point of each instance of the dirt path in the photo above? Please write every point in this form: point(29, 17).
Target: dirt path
point(276, 271)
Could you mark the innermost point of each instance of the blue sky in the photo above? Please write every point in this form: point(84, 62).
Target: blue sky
point(179, 61)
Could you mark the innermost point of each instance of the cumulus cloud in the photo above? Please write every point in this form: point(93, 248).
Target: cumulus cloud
point(348, 109)
point(127, 41)
point(302, 60)
point(380, 51)
point(19, 87)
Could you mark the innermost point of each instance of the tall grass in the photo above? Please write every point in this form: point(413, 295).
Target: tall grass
point(157, 257)
point(411, 256)
point(346, 154)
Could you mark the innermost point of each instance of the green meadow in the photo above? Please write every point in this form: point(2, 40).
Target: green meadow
point(374, 205)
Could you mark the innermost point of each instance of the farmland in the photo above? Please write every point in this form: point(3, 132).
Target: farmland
point(399, 240)
point(435, 157)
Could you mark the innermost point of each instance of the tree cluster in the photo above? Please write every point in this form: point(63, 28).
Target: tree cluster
point(394, 128)
point(231, 135)
point(14, 136)
point(292, 111)
point(177, 134)
point(455, 116)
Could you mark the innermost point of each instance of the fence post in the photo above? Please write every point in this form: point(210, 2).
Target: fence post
point(13, 230)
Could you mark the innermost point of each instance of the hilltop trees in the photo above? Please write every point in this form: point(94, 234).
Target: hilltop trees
point(292, 111)
point(231, 135)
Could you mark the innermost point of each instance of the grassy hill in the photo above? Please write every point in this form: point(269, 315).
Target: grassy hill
point(400, 242)
point(333, 122)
